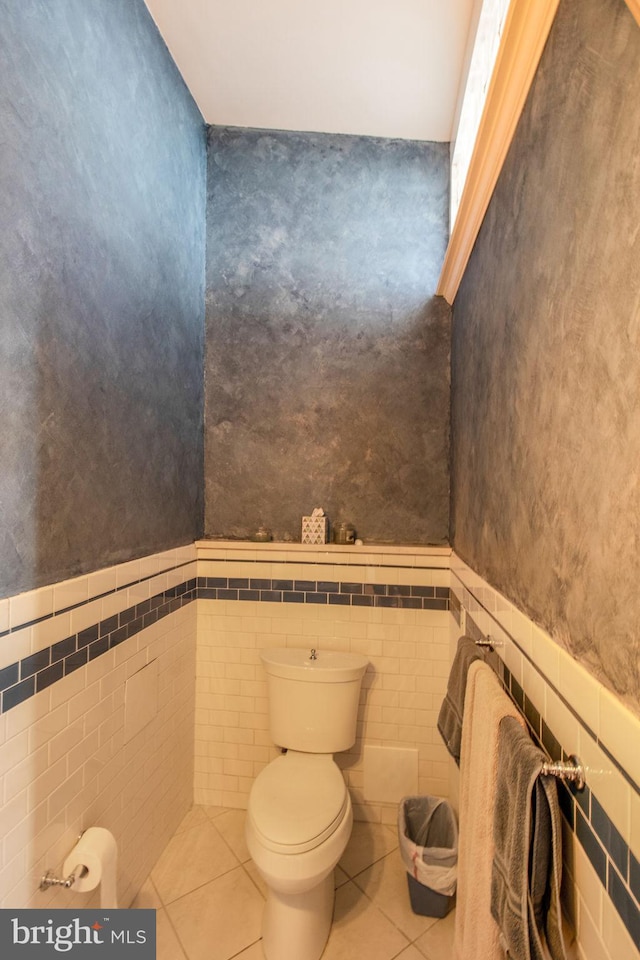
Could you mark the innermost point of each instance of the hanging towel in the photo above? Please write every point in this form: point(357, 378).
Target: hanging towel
point(527, 863)
point(477, 936)
point(452, 709)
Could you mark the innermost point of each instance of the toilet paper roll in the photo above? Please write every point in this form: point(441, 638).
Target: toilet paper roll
point(96, 850)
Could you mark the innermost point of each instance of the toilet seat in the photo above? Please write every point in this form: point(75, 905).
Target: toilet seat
point(297, 802)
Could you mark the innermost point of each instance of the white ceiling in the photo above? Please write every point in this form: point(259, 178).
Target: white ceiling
point(387, 68)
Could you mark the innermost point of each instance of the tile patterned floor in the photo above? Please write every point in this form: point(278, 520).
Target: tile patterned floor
point(209, 897)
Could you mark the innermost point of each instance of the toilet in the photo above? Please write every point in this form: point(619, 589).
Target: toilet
point(299, 815)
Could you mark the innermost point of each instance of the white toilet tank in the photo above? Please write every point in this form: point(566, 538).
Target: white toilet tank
point(313, 703)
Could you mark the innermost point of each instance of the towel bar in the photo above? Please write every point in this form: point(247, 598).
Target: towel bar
point(571, 769)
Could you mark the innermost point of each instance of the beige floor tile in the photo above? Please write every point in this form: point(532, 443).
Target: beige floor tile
point(254, 952)
point(437, 942)
point(368, 842)
point(231, 825)
point(167, 944)
point(214, 909)
point(411, 954)
point(190, 859)
point(213, 812)
point(148, 897)
point(385, 883)
point(252, 870)
point(193, 818)
point(360, 931)
point(219, 919)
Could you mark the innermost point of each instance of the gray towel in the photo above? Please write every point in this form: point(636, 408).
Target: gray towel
point(452, 709)
point(527, 863)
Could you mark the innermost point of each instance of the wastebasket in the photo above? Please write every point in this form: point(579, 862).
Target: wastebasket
point(428, 837)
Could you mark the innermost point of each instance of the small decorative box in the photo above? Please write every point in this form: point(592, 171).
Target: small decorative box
point(315, 529)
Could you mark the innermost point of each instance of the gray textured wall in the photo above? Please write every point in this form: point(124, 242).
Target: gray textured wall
point(327, 358)
point(102, 205)
point(546, 353)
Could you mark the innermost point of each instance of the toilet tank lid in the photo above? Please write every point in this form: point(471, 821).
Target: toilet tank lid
point(329, 666)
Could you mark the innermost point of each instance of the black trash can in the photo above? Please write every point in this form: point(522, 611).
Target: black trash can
point(428, 837)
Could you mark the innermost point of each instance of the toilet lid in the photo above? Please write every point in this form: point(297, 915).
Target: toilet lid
point(297, 800)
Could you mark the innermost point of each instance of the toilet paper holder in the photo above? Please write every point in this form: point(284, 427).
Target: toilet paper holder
point(49, 880)
point(91, 863)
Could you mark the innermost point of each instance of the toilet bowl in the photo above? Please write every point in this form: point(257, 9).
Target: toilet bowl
point(295, 843)
point(299, 816)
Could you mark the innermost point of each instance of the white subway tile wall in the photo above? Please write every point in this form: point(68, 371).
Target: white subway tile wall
point(578, 716)
point(408, 650)
point(64, 765)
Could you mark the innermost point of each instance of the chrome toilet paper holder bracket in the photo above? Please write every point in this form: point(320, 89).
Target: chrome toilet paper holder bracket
point(49, 880)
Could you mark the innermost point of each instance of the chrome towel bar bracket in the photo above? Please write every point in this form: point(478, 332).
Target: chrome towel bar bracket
point(489, 642)
point(571, 769)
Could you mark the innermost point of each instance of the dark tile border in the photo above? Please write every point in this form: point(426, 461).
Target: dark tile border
point(345, 593)
point(39, 670)
point(442, 592)
point(98, 596)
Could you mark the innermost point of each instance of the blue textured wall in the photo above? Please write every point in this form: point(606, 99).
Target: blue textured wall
point(327, 367)
point(546, 353)
point(102, 205)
